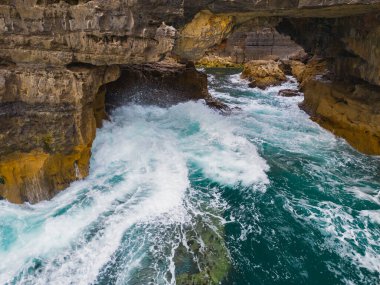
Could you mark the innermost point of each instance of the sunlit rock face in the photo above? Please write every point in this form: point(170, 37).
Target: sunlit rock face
point(262, 73)
point(57, 56)
point(96, 32)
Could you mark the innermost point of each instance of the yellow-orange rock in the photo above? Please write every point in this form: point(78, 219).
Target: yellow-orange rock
point(316, 67)
point(42, 154)
point(351, 112)
point(204, 31)
point(217, 62)
point(263, 73)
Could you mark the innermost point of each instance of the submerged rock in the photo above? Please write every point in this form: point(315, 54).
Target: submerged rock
point(203, 258)
point(263, 73)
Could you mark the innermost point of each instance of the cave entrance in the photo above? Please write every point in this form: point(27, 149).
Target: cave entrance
point(162, 84)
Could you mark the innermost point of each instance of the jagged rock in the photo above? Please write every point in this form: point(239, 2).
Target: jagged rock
point(294, 68)
point(204, 31)
point(315, 68)
point(96, 32)
point(289, 93)
point(262, 73)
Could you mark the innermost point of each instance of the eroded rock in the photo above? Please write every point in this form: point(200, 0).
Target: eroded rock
point(347, 110)
point(263, 73)
point(161, 84)
point(213, 61)
point(47, 126)
point(289, 93)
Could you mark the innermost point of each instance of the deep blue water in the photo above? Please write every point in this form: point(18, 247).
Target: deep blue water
point(286, 201)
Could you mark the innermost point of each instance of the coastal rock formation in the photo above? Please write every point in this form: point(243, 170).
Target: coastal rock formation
point(204, 31)
point(294, 68)
point(289, 93)
point(263, 73)
point(96, 32)
point(352, 112)
point(47, 125)
point(214, 61)
point(57, 56)
point(152, 84)
point(341, 85)
point(256, 39)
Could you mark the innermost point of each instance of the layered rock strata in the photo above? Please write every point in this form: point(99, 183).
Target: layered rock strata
point(47, 126)
point(255, 39)
point(349, 111)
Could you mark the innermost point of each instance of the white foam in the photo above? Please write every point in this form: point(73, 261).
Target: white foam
point(366, 193)
point(343, 232)
point(374, 215)
point(223, 155)
point(149, 148)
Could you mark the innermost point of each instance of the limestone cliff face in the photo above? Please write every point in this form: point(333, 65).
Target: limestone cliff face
point(349, 111)
point(57, 56)
point(55, 59)
point(96, 32)
point(47, 125)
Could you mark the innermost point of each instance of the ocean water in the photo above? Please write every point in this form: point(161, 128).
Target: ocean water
point(262, 196)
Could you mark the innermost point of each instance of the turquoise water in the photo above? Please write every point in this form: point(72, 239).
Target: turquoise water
point(285, 201)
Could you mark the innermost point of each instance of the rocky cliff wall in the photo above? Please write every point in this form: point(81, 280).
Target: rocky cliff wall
point(47, 125)
point(57, 56)
point(344, 97)
point(256, 39)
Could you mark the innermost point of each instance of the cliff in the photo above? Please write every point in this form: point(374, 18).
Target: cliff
point(56, 58)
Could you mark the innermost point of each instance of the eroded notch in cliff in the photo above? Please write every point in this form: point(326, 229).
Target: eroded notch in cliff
point(161, 84)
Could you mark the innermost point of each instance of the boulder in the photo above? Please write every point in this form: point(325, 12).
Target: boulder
point(263, 73)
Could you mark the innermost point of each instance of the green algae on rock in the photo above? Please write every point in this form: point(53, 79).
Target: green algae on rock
point(203, 258)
